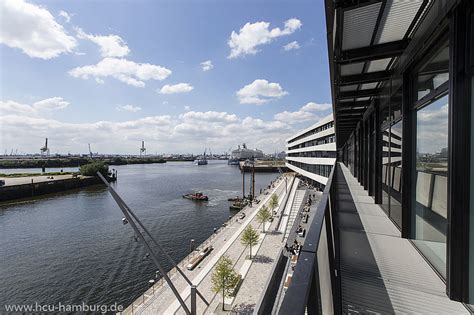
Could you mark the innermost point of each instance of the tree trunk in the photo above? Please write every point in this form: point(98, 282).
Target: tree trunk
point(250, 247)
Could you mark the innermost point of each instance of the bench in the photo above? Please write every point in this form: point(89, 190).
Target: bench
point(196, 260)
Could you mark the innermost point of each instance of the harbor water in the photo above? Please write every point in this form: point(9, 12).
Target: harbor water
point(72, 247)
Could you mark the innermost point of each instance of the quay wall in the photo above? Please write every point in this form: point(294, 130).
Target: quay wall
point(12, 192)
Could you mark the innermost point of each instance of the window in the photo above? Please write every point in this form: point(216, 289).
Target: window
point(432, 182)
point(430, 194)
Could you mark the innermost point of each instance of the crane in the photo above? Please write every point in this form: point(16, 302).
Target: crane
point(45, 150)
point(143, 149)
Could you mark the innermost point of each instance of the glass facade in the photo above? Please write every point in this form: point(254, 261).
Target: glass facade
point(432, 182)
point(424, 145)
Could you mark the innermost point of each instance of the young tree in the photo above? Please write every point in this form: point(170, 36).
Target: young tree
point(250, 238)
point(273, 204)
point(224, 278)
point(264, 216)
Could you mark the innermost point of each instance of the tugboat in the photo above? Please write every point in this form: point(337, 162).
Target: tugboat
point(197, 196)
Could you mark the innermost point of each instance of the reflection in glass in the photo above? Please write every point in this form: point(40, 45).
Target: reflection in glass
point(396, 172)
point(434, 72)
point(432, 181)
point(386, 176)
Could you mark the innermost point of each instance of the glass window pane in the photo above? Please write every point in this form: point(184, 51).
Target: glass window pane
point(396, 171)
point(431, 182)
point(434, 72)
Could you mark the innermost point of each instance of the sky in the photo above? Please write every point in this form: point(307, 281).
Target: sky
point(180, 75)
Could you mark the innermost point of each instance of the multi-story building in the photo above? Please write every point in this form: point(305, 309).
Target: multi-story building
point(394, 230)
point(312, 152)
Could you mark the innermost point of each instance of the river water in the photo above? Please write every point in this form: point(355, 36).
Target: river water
point(72, 247)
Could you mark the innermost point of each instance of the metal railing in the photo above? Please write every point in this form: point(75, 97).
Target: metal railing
point(315, 281)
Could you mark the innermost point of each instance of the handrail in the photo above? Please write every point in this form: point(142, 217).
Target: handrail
point(297, 294)
point(286, 202)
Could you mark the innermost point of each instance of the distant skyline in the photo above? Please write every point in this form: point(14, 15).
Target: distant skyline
point(180, 75)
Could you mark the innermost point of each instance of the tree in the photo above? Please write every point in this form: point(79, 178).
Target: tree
point(250, 238)
point(273, 204)
point(91, 169)
point(224, 278)
point(264, 216)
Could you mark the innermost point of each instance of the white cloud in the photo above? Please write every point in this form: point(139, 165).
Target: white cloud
point(209, 116)
point(128, 108)
point(187, 108)
point(259, 92)
point(305, 113)
point(65, 15)
point(33, 29)
point(291, 46)
point(294, 117)
point(206, 65)
point(49, 104)
point(110, 45)
point(316, 107)
point(99, 80)
point(176, 88)
point(252, 35)
point(53, 103)
point(184, 133)
point(126, 71)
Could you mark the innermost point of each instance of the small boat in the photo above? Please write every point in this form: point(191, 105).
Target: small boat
point(235, 199)
point(198, 196)
point(237, 206)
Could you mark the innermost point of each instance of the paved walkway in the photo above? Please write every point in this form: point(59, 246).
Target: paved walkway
point(381, 273)
point(11, 181)
point(225, 242)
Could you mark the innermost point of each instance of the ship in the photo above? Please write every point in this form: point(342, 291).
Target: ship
point(243, 153)
point(202, 160)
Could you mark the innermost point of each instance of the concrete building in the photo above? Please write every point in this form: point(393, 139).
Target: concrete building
point(312, 152)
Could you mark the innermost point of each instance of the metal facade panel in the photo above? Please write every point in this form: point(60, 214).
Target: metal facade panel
point(359, 25)
point(368, 86)
point(378, 65)
point(346, 88)
point(397, 18)
point(352, 68)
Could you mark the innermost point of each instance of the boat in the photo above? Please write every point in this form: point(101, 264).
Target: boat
point(237, 206)
point(202, 160)
point(243, 153)
point(197, 196)
point(235, 199)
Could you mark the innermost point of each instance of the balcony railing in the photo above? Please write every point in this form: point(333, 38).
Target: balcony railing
point(315, 283)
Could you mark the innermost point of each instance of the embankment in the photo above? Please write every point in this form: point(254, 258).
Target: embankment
point(12, 192)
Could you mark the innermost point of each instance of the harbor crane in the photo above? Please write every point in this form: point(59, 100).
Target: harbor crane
point(45, 150)
point(143, 149)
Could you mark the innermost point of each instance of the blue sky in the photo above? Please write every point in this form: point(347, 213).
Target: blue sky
point(66, 84)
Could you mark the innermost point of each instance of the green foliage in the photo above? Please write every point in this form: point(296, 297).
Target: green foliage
point(92, 168)
point(224, 278)
point(263, 216)
point(250, 238)
point(273, 204)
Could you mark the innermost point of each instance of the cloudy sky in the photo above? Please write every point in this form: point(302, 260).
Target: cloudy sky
point(181, 75)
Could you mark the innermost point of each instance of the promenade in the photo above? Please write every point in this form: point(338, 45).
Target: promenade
point(159, 299)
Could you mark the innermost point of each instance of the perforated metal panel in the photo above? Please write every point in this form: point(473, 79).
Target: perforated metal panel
point(353, 68)
point(378, 65)
point(348, 88)
point(396, 19)
point(368, 86)
point(359, 25)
